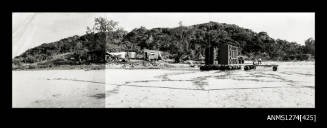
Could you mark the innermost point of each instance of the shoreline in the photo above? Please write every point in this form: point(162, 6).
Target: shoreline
point(102, 68)
point(126, 66)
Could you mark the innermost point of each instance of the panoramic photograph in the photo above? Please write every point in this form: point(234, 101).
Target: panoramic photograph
point(163, 60)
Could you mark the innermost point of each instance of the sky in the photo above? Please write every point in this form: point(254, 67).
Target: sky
point(33, 29)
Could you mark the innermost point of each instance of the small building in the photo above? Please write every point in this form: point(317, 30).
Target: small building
point(225, 54)
point(131, 55)
point(152, 55)
point(120, 55)
point(115, 56)
point(228, 54)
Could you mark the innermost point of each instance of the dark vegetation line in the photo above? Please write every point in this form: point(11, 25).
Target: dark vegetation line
point(180, 43)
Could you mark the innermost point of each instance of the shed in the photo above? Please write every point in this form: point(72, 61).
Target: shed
point(131, 55)
point(152, 55)
point(117, 54)
point(228, 54)
point(223, 54)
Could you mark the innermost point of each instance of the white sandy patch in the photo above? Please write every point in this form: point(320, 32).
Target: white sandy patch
point(58, 88)
point(291, 86)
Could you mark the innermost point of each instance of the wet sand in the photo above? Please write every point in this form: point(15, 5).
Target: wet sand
point(292, 86)
point(58, 89)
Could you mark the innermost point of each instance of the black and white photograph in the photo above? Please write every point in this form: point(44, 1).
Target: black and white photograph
point(163, 60)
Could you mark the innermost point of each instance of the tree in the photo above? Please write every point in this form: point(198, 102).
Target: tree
point(180, 41)
point(102, 24)
point(310, 46)
point(89, 30)
point(180, 23)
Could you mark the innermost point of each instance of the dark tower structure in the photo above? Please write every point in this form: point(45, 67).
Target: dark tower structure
point(211, 55)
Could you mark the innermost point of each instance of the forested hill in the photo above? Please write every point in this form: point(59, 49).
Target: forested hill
point(192, 40)
point(187, 41)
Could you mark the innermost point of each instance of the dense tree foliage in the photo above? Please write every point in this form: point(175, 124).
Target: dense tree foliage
point(310, 46)
point(192, 41)
point(102, 24)
point(189, 41)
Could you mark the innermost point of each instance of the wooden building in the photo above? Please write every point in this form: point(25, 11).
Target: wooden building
point(228, 54)
point(225, 54)
point(227, 57)
point(119, 56)
point(152, 55)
